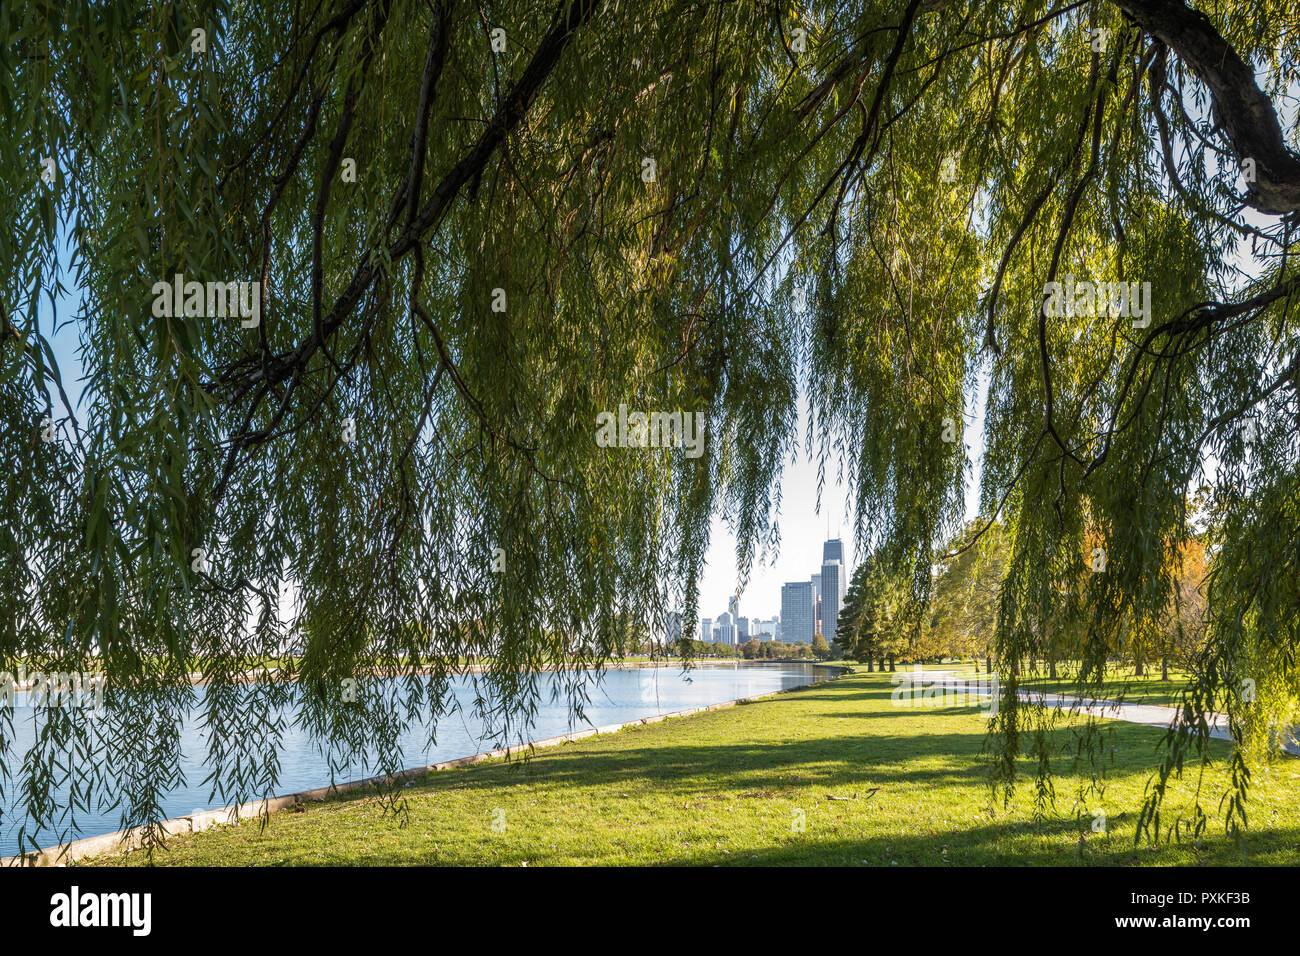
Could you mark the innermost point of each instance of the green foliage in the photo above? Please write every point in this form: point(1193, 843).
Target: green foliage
point(879, 618)
point(774, 651)
point(964, 608)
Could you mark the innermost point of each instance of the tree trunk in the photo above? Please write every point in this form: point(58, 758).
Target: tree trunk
point(1245, 112)
point(1164, 668)
point(988, 664)
point(1051, 668)
point(1139, 669)
point(891, 662)
point(871, 664)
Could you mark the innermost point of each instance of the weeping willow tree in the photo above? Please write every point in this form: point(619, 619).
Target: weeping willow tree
point(466, 230)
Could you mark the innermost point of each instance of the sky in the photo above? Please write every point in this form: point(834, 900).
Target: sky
point(803, 527)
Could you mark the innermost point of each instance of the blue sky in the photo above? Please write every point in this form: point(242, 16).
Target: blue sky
point(803, 528)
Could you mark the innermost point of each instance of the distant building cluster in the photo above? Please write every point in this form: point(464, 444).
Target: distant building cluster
point(807, 608)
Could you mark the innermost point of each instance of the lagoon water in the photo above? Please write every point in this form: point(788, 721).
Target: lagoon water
point(616, 696)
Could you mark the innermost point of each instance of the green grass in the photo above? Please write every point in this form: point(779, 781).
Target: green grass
point(723, 788)
point(1147, 689)
point(1121, 680)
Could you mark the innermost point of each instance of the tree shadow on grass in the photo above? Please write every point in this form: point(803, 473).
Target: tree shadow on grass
point(929, 755)
point(883, 693)
point(774, 775)
point(1060, 841)
point(842, 759)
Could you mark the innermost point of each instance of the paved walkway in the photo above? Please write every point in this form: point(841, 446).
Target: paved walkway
point(1152, 715)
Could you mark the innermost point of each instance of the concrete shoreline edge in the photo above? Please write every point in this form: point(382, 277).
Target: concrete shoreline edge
point(121, 841)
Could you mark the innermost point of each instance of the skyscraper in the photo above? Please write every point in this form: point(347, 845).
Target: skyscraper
point(706, 630)
point(797, 612)
point(833, 591)
point(834, 586)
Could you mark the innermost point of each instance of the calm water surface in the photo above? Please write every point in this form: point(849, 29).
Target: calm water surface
point(618, 696)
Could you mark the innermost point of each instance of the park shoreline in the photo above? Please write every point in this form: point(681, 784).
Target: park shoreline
point(124, 841)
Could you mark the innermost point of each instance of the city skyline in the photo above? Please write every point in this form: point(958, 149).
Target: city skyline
point(805, 529)
point(807, 607)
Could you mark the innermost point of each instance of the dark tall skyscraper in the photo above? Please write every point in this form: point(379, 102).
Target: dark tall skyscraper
point(834, 585)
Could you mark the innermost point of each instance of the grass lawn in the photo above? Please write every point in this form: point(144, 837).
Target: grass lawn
point(730, 787)
point(1121, 682)
point(1147, 689)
